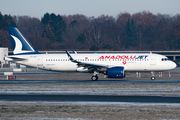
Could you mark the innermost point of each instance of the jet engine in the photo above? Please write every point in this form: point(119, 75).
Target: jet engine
point(115, 72)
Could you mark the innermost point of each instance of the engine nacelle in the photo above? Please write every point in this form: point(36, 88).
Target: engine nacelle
point(115, 72)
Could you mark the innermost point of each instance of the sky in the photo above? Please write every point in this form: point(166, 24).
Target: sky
point(37, 8)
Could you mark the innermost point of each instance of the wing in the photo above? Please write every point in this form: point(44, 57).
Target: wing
point(90, 66)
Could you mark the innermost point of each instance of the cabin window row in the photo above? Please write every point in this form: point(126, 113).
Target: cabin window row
point(98, 59)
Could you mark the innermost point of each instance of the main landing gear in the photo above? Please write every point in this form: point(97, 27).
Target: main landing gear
point(95, 77)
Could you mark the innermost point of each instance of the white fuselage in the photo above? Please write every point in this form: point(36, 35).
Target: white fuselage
point(130, 61)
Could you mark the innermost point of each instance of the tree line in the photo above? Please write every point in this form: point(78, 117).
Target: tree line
point(139, 31)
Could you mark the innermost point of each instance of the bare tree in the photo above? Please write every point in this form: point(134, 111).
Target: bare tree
point(97, 33)
point(95, 36)
point(73, 35)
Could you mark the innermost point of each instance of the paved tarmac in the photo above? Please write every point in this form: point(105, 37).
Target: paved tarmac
point(88, 98)
point(85, 81)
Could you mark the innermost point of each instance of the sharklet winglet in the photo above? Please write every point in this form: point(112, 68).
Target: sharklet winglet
point(69, 56)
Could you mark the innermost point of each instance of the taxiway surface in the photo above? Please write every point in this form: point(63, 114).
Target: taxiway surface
point(89, 98)
point(85, 81)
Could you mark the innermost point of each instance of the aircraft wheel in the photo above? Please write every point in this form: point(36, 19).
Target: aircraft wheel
point(152, 78)
point(94, 78)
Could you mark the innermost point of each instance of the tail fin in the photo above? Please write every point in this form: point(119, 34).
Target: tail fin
point(19, 43)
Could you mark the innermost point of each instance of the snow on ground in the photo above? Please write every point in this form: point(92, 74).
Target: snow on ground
point(90, 110)
point(86, 110)
point(97, 103)
point(162, 89)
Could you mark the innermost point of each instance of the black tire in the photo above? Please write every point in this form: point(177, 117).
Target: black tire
point(152, 78)
point(94, 78)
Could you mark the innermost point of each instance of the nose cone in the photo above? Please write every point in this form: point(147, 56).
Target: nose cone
point(168, 65)
point(172, 65)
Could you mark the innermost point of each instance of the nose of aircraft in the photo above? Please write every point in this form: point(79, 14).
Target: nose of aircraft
point(173, 65)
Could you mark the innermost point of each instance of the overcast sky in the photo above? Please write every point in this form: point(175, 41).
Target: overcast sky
point(37, 8)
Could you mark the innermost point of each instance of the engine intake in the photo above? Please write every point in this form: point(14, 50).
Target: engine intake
point(115, 72)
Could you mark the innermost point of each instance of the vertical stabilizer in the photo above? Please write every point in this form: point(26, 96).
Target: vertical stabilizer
point(19, 43)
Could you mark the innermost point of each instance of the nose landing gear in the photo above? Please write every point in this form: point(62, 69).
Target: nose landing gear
point(153, 77)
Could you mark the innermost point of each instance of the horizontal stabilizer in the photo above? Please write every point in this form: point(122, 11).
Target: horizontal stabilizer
point(14, 59)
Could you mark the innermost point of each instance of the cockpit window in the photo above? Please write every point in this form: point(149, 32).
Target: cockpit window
point(165, 59)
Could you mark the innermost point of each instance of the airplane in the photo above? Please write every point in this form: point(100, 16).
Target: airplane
point(112, 65)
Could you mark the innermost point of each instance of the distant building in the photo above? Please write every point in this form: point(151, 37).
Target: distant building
point(3, 53)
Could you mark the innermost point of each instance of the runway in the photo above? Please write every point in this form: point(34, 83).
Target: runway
point(85, 81)
point(88, 98)
point(78, 87)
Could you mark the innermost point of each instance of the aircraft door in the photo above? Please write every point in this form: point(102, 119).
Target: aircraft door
point(40, 61)
point(152, 60)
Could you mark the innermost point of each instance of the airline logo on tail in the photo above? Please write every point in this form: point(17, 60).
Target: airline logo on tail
point(19, 43)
